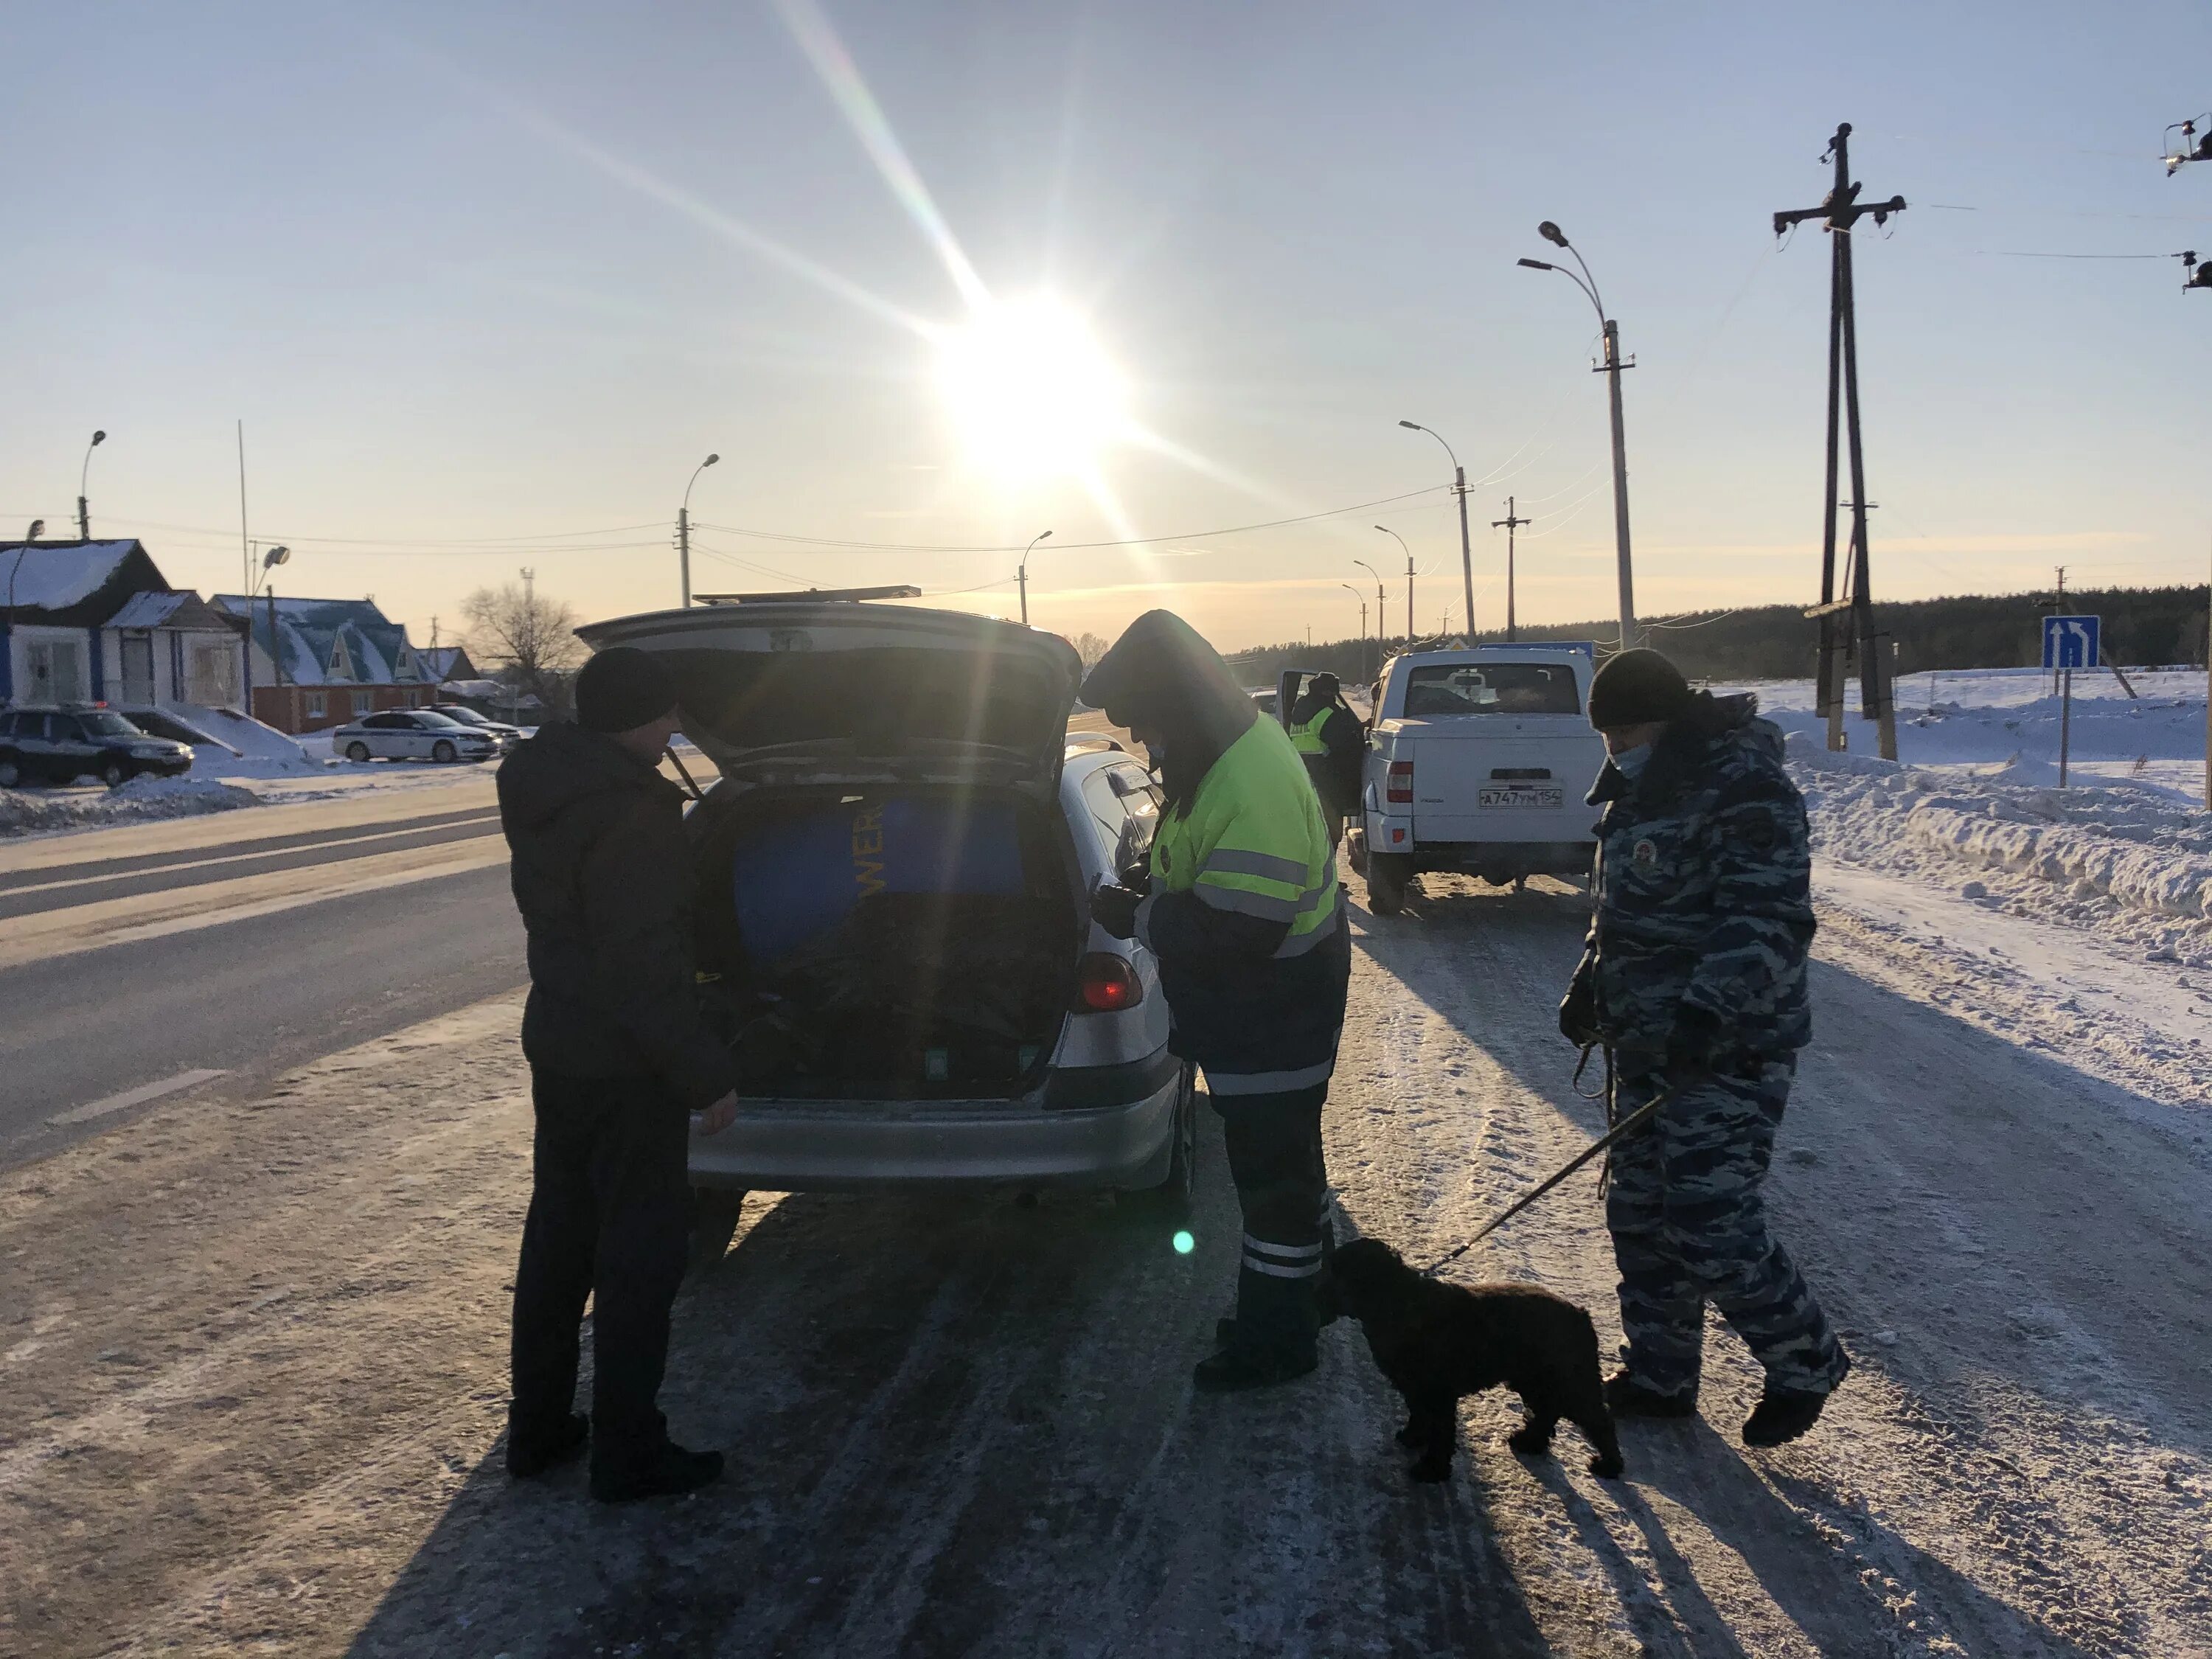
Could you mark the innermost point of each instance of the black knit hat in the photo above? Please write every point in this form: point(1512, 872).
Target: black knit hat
point(1635, 686)
point(622, 688)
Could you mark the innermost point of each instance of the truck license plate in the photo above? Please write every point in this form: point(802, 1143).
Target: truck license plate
point(1551, 796)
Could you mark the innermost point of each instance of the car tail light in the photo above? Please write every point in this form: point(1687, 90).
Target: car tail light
point(1398, 789)
point(1106, 984)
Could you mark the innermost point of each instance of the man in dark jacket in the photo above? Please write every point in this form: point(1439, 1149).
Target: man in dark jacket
point(620, 1063)
point(1330, 738)
point(1694, 974)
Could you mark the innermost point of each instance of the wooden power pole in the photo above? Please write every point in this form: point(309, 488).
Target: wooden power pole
point(1511, 522)
point(1839, 214)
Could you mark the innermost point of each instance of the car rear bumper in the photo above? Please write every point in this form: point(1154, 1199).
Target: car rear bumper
point(941, 1146)
point(1505, 858)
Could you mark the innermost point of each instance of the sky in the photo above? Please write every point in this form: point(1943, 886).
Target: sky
point(484, 283)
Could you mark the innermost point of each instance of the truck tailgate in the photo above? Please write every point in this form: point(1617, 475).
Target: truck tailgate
point(1499, 778)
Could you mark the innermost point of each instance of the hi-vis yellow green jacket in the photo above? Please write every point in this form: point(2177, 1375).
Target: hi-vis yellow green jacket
point(1257, 1002)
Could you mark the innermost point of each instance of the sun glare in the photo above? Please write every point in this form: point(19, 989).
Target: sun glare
point(1030, 389)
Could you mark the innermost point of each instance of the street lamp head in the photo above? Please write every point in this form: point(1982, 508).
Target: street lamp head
point(276, 556)
point(710, 460)
point(1412, 425)
point(1538, 265)
point(98, 439)
point(1044, 535)
point(1552, 233)
point(38, 529)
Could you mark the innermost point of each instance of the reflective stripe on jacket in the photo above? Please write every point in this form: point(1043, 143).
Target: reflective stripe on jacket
point(1253, 843)
point(1305, 735)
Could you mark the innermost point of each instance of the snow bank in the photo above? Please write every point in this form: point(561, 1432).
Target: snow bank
point(24, 812)
point(2131, 850)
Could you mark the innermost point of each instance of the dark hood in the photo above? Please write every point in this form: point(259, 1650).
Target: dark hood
point(1686, 744)
point(1161, 675)
point(562, 764)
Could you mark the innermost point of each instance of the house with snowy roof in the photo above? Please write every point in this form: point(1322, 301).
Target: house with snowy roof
point(96, 622)
point(443, 664)
point(319, 663)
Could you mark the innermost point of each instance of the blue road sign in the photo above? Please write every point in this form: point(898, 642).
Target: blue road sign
point(2069, 641)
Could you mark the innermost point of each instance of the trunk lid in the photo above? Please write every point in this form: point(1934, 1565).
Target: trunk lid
point(1503, 778)
point(841, 690)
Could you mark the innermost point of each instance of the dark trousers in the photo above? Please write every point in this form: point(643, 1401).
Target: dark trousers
point(1688, 1219)
point(608, 1214)
point(1274, 1143)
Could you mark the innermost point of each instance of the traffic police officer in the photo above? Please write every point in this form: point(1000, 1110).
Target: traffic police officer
point(1244, 913)
point(1328, 737)
point(1694, 976)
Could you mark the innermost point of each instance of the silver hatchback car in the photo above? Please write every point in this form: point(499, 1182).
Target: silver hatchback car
point(894, 928)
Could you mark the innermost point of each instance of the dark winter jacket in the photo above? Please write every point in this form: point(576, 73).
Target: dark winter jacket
point(602, 875)
point(1705, 912)
point(1335, 774)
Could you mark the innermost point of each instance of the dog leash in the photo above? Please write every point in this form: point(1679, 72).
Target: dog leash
point(1635, 1120)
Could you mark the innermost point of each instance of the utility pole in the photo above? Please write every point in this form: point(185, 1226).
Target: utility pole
point(1510, 523)
point(683, 550)
point(244, 548)
point(1465, 547)
point(1840, 213)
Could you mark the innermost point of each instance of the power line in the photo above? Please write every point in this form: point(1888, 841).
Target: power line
point(1128, 541)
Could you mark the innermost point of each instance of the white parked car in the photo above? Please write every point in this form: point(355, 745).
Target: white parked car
point(894, 882)
point(412, 734)
point(1478, 762)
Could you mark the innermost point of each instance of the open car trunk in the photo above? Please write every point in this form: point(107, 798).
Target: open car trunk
point(900, 944)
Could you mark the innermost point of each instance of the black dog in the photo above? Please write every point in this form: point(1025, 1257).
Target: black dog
point(1437, 1341)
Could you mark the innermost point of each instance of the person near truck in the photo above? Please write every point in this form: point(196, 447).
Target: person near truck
point(1243, 910)
point(619, 1063)
point(1694, 977)
point(1333, 742)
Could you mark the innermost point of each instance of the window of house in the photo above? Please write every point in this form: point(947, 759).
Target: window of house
point(316, 705)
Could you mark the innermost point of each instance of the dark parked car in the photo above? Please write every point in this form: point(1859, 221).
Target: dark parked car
point(508, 736)
point(60, 745)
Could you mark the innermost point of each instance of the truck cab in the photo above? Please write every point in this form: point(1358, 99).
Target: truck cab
point(1477, 762)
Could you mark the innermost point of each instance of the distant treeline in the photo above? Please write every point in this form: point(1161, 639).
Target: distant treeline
point(1777, 643)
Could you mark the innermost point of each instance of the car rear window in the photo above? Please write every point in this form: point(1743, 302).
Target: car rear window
point(1492, 687)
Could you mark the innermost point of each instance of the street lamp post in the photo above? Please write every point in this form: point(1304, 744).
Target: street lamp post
point(1022, 573)
point(1465, 547)
point(84, 514)
point(1357, 594)
point(1401, 540)
point(1380, 618)
point(270, 561)
point(684, 528)
point(1611, 367)
point(38, 529)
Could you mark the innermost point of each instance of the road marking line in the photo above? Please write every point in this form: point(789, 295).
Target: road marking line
point(491, 817)
point(129, 1098)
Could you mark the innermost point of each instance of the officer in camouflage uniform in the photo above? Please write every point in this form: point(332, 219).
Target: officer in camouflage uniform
point(1694, 974)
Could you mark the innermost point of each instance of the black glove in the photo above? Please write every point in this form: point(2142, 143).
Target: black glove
point(1696, 1042)
point(1578, 1013)
point(1114, 908)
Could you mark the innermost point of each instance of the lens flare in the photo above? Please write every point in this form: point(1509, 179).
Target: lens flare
point(1184, 1243)
point(1030, 391)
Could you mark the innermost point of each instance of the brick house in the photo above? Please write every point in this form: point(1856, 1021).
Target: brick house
point(319, 663)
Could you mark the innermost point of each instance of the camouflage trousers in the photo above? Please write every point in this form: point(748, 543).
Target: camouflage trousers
point(1689, 1226)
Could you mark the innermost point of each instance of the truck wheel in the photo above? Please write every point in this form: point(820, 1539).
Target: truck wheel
point(1355, 850)
point(1387, 877)
point(1171, 1200)
point(714, 1225)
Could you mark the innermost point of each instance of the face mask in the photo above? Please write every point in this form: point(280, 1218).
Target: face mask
point(1633, 761)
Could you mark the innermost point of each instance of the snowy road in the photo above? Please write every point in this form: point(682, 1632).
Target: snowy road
point(254, 1357)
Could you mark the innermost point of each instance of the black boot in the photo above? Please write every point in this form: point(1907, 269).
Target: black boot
point(1626, 1397)
point(1235, 1369)
point(529, 1455)
point(667, 1471)
point(1781, 1415)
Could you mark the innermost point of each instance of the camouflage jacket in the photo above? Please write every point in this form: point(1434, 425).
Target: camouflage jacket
point(1703, 888)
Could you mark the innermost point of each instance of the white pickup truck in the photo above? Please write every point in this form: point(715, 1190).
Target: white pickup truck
point(1477, 760)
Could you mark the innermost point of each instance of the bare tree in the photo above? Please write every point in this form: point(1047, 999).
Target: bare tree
point(1091, 648)
point(532, 636)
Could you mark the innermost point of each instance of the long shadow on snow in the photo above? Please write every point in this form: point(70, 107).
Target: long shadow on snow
point(1846, 1202)
point(957, 1426)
